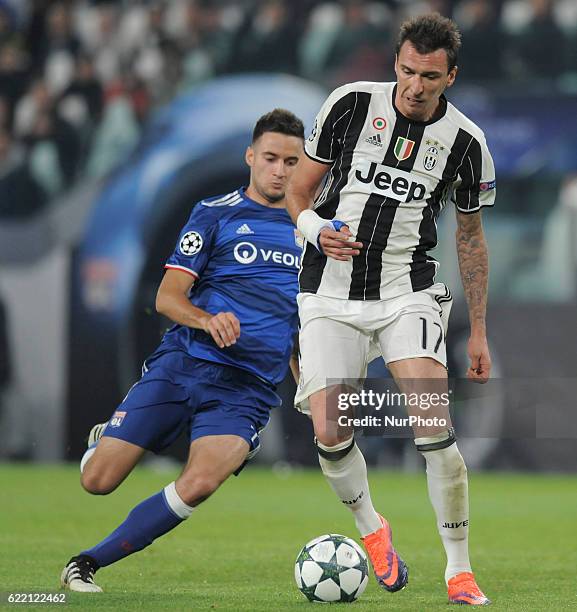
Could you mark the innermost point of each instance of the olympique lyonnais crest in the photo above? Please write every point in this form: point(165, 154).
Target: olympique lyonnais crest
point(299, 239)
point(117, 418)
point(403, 148)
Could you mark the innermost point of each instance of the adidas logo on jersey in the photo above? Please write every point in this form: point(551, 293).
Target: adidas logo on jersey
point(375, 140)
point(244, 229)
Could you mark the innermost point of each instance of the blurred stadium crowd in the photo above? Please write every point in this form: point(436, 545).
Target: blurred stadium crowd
point(79, 77)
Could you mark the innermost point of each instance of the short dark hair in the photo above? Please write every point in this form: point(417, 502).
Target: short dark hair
point(281, 121)
point(427, 33)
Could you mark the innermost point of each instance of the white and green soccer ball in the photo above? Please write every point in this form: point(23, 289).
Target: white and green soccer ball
point(331, 567)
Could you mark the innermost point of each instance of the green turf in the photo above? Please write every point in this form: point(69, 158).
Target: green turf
point(237, 550)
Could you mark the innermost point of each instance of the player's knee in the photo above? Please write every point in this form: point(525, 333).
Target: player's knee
point(195, 488)
point(98, 483)
point(334, 452)
point(328, 435)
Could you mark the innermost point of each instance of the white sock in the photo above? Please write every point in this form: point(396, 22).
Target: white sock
point(448, 491)
point(86, 457)
point(175, 502)
point(348, 479)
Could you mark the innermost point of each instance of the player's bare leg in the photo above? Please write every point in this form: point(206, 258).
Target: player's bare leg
point(109, 465)
point(446, 474)
point(345, 469)
point(211, 461)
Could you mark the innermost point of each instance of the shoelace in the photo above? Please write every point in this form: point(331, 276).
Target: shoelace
point(380, 557)
point(82, 570)
point(382, 561)
point(468, 586)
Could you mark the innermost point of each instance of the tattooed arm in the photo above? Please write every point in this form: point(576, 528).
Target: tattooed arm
point(474, 268)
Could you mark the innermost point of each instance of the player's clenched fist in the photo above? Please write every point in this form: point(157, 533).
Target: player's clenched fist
point(480, 368)
point(224, 328)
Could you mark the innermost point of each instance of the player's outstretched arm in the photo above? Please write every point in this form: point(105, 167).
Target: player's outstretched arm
point(303, 185)
point(474, 268)
point(172, 301)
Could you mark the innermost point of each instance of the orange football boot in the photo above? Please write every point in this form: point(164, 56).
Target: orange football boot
point(390, 570)
point(464, 590)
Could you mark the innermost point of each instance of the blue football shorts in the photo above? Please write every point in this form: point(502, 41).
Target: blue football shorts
point(178, 392)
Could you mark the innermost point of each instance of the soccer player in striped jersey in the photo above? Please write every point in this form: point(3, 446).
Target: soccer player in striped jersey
point(392, 155)
point(230, 289)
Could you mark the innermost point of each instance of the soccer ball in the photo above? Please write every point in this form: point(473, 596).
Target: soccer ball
point(331, 567)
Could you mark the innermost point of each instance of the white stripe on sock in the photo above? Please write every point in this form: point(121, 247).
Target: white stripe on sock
point(175, 502)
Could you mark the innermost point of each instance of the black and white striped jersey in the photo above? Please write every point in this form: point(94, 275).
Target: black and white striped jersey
point(389, 179)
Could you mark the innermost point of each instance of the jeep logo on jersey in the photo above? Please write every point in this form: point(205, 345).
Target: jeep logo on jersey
point(391, 182)
point(190, 243)
point(430, 159)
point(246, 253)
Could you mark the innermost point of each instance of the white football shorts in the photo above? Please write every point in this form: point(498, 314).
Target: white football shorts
point(339, 338)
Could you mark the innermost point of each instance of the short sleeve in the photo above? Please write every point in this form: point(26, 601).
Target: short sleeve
point(194, 244)
point(326, 139)
point(475, 186)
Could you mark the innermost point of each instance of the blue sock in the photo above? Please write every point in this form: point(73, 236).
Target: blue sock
point(149, 520)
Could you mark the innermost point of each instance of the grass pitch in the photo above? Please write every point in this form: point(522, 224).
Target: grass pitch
point(237, 550)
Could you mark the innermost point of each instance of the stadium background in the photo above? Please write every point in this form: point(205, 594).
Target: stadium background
point(115, 117)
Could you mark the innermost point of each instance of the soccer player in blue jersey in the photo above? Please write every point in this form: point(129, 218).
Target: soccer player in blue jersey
point(230, 288)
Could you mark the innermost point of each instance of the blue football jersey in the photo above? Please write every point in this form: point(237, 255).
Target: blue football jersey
point(245, 259)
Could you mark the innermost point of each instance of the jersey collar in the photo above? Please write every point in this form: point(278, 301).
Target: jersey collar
point(439, 113)
point(242, 192)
